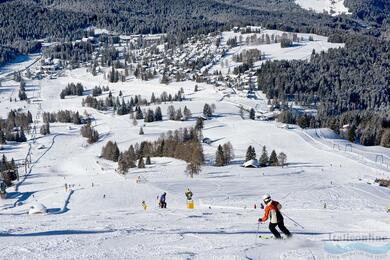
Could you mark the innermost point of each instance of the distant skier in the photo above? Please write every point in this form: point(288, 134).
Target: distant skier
point(163, 203)
point(189, 194)
point(272, 211)
point(144, 205)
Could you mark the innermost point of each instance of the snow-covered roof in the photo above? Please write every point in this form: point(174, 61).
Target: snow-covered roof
point(251, 164)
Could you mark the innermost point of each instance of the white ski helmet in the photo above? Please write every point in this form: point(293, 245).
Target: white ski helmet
point(266, 198)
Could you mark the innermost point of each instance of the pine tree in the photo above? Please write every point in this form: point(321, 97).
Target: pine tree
point(149, 116)
point(250, 154)
point(228, 153)
point(45, 129)
point(29, 116)
point(158, 114)
point(112, 75)
point(385, 141)
point(282, 158)
point(187, 113)
point(76, 118)
point(164, 79)
point(219, 157)
point(110, 151)
point(193, 169)
point(116, 152)
point(199, 124)
point(22, 95)
point(141, 163)
point(153, 99)
point(171, 113)
point(252, 114)
point(148, 160)
point(123, 166)
point(22, 137)
point(196, 160)
point(207, 110)
point(273, 159)
point(264, 158)
point(139, 114)
point(2, 137)
point(179, 115)
point(351, 134)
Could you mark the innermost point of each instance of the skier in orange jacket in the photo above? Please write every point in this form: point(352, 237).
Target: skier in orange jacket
point(272, 212)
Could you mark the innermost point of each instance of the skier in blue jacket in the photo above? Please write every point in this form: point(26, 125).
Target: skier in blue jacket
point(163, 203)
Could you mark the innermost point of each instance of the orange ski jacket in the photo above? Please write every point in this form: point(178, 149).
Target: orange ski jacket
point(272, 211)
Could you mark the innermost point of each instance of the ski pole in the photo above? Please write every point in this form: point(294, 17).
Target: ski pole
point(257, 232)
point(284, 214)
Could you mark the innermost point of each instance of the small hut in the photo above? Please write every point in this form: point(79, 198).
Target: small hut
point(251, 164)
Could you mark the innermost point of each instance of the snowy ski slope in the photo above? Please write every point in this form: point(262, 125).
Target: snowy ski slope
point(334, 7)
point(101, 216)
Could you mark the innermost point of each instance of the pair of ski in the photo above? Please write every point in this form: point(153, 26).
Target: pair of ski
point(268, 237)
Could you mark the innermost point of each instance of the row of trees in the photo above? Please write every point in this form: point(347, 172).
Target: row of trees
point(98, 90)
point(16, 135)
point(178, 115)
point(62, 116)
point(248, 56)
point(14, 126)
point(115, 75)
point(183, 144)
point(128, 107)
point(72, 90)
point(224, 154)
point(265, 160)
point(152, 116)
point(88, 132)
point(16, 119)
point(208, 110)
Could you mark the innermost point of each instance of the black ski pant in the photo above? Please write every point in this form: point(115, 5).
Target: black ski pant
point(282, 227)
point(163, 204)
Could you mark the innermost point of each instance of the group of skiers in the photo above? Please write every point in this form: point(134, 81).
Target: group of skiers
point(271, 212)
point(162, 200)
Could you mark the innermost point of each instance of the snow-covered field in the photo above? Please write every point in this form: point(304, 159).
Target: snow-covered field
point(334, 7)
point(301, 50)
point(101, 217)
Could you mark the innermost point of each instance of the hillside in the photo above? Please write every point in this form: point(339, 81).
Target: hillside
point(69, 18)
point(330, 6)
point(331, 202)
point(195, 129)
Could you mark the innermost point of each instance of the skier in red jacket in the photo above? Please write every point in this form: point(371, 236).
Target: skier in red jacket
point(272, 211)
